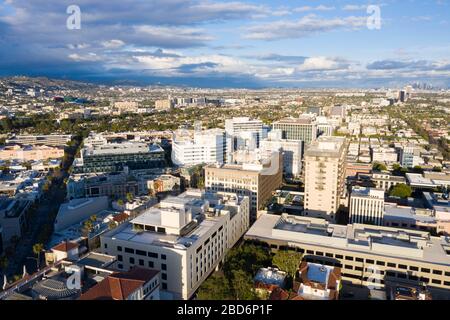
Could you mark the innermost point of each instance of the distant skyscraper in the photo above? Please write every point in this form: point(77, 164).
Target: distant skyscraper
point(325, 176)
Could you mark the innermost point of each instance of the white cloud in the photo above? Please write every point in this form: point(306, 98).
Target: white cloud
point(354, 7)
point(309, 8)
point(113, 44)
point(90, 57)
point(301, 28)
point(322, 63)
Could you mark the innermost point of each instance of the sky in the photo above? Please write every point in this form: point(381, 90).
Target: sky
point(213, 43)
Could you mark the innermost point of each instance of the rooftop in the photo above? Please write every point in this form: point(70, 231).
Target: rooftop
point(326, 147)
point(375, 240)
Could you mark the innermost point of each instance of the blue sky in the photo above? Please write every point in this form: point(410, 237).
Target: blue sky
point(229, 43)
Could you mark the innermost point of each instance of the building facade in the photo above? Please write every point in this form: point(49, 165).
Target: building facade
point(325, 176)
point(367, 205)
point(185, 237)
point(257, 181)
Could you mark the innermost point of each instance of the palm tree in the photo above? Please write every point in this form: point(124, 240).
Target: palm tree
point(37, 249)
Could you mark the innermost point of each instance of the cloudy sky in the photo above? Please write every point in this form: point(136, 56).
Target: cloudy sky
point(229, 43)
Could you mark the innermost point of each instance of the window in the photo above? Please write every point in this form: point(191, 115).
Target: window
point(413, 268)
point(141, 253)
point(153, 255)
point(131, 260)
point(120, 266)
point(358, 268)
point(338, 256)
point(164, 276)
point(359, 259)
point(163, 266)
point(380, 263)
point(329, 255)
point(129, 250)
point(348, 258)
point(426, 270)
point(119, 257)
point(119, 248)
point(163, 257)
point(105, 246)
point(391, 265)
point(435, 281)
point(151, 264)
point(309, 252)
point(402, 266)
point(370, 261)
point(141, 262)
point(439, 272)
point(447, 283)
point(164, 286)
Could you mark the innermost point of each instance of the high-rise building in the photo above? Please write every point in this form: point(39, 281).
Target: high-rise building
point(291, 150)
point(256, 180)
point(367, 205)
point(184, 237)
point(205, 147)
point(166, 104)
point(325, 176)
point(300, 129)
point(242, 132)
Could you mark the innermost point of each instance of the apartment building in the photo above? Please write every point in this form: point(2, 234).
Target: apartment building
point(185, 237)
point(325, 176)
point(256, 180)
point(303, 128)
point(205, 147)
point(367, 205)
point(367, 255)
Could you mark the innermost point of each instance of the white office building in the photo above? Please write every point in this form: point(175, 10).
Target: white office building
point(367, 205)
point(290, 149)
point(243, 133)
point(185, 237)
point(204, 147)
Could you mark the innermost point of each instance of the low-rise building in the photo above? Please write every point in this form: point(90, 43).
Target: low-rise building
point(367, 255)
point(317, 281)
point(136, 284)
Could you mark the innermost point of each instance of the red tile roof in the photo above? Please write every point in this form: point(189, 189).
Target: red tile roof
point(120, 285)
point(65, 246)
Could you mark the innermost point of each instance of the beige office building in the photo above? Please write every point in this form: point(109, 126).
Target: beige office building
point(325, 176)
point(367, 255)
point(256, 180)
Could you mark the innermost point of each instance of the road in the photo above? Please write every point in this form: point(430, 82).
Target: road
point(41, 218)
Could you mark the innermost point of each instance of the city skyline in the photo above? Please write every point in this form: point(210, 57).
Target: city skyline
point(248, 44)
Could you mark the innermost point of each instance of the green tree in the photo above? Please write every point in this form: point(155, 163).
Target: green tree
point(215, 287)
point(287, 261)
point(243, 286)
point(89, 225)
point(120, 202)
point(37, 249)
point(247, 257)
point(401, 190)
point(130, 197)
point(377, 166)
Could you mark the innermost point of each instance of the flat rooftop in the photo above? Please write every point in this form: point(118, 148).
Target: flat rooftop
point(374, 240)
point(326, 147)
